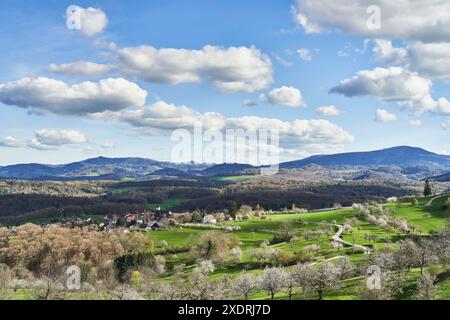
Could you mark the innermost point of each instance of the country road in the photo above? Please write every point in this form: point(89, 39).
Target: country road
point(337, 238)
point(429, 203)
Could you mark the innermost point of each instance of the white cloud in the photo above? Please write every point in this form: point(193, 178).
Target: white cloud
point(285, 96)
point(163, 118)
point(282, 61)
point(382, 115)
point(233, 69)
point(425, 20)
point(430, 59)
point(46, 140)
point(415, 122)
point(60, 137)
point(91, 21)
point(36, 144)
point(305, 54)
point(49, 95)
point(385, 52)
point(328, 111)
point(443, 107)
point(11, 142)
point(390, 84)
point(83, 68)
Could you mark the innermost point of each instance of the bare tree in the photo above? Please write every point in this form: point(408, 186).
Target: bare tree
point(290, 284)
point(344, 268)
point(426, 289)
point(170, 292)
point(300, 274)
point(236, 255)
point(272, 280)
point(244, 285)
point(200, 288)
point(425, 254)
point(323, 278)
point(125, 293)
point(441, 247)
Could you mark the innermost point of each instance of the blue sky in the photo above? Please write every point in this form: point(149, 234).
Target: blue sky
point(34, 35)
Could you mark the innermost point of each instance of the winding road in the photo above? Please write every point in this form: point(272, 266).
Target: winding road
point(337, 237)
point(429, 203)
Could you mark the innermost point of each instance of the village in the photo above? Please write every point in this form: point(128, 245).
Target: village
point(160, 220)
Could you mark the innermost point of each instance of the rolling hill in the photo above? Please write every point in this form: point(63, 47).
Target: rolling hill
point(100, 168)
point(441, 178)
point(404, 157)
point(393, 163)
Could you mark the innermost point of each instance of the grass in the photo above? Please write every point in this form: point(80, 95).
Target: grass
point(166, 204)
point(235, 178)
point(254, 231)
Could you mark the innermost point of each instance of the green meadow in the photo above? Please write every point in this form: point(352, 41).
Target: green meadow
point(426, 220)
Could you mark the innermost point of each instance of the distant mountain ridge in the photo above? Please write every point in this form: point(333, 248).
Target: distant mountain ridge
point(402, 162)
point(403, 157)
point(441, 178)
point(94, 169)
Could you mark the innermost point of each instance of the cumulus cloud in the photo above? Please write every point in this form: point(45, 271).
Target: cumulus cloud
point(385, 52)
point(382, 115)
point(328, 111)
point(11, 142)
point(430, 59)
point(49, 95)
point(46, 139)
point(88, 21)
point(233, 69)
point(443, 107)
point(305, 54)
point(427, 20)
point(285, 96)
point(83, 68)
point(35, 144)
point(162, 118)
point(390, 84)
point(60, 137)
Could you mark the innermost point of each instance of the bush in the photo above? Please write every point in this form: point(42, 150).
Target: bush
point(280, 238)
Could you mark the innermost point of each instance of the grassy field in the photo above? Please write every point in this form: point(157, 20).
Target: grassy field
point(235, 178)
point(254, 231)
point(166, 204)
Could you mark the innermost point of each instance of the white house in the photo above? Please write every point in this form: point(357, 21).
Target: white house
point(209, 219)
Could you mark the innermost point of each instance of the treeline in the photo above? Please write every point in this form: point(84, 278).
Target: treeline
point(193, 183)
point(308, 197)
point(20, 208)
